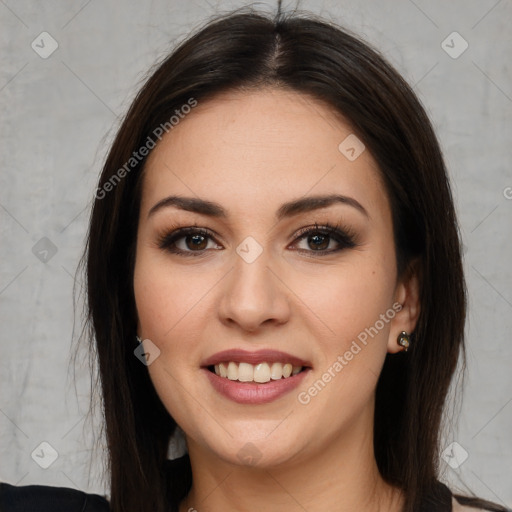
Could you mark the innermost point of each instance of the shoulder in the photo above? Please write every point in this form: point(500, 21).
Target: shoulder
point(49, 499)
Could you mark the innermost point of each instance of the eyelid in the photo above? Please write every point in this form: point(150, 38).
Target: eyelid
point(326, 227)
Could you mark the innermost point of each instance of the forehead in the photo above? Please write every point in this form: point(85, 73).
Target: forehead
point(253, 149)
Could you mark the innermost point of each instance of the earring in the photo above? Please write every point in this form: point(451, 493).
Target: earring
point(138, 339)
point(404, 340)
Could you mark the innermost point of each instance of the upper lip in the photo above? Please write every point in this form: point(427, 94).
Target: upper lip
point(255, 357)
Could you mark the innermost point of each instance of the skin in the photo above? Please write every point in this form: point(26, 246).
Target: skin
point(250, 152)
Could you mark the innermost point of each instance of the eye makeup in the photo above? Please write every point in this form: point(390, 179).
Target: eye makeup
point(196, 240)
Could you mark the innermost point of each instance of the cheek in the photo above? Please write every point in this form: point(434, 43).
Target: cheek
point(165, 299)
point(167, 307)
point(355, 307)
point(350, 298)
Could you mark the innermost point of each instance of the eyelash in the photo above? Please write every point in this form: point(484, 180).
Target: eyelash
point(344, 236)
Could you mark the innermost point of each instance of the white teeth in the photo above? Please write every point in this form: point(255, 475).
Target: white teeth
point(261, 373)
point(232, 371)
point(245, 372)
point(296, 369)
point(276, 371)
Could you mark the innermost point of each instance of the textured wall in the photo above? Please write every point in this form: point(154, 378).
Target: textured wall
point(59, 111)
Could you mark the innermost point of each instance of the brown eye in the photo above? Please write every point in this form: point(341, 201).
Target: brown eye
point(318, 242)
point(187, 242)
point(318, 239)
point(196, 242)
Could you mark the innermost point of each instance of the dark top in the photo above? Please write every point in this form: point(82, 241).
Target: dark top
point(42, 498)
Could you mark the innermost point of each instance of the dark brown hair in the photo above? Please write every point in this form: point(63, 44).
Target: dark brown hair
point(243, 51)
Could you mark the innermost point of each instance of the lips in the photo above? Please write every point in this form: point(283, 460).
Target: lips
point(253, 392)
point(256, 357)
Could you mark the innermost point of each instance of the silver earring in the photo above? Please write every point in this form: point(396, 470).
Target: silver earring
point(404, 340)
point(138, 339)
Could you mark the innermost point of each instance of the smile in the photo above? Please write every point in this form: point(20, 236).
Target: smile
point(254, 377)
point(261, 373)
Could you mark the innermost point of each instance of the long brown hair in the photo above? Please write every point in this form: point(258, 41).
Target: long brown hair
point(247, 50)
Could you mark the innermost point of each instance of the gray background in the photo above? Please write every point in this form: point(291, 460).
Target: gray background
point(59, 115)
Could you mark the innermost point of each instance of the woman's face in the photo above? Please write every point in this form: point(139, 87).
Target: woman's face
point(258, 274)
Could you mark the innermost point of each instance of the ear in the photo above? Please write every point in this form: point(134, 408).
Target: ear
point(407, 294)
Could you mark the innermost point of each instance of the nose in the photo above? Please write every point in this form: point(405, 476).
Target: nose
point(253, 295)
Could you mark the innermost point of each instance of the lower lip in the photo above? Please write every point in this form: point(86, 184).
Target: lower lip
point(252, 392)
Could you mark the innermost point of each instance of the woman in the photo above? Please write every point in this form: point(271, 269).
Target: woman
point(274, 265)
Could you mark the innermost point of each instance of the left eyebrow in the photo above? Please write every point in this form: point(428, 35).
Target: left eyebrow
point(295, 207)
point(307, 204)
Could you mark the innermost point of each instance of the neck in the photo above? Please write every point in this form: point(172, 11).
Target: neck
point(341, 476)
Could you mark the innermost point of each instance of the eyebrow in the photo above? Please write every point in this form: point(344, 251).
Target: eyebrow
point(289, 209)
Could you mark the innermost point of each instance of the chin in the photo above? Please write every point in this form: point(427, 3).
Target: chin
point(256, 450)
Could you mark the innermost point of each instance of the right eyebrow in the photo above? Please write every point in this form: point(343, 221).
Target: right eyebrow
point(190, 204)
